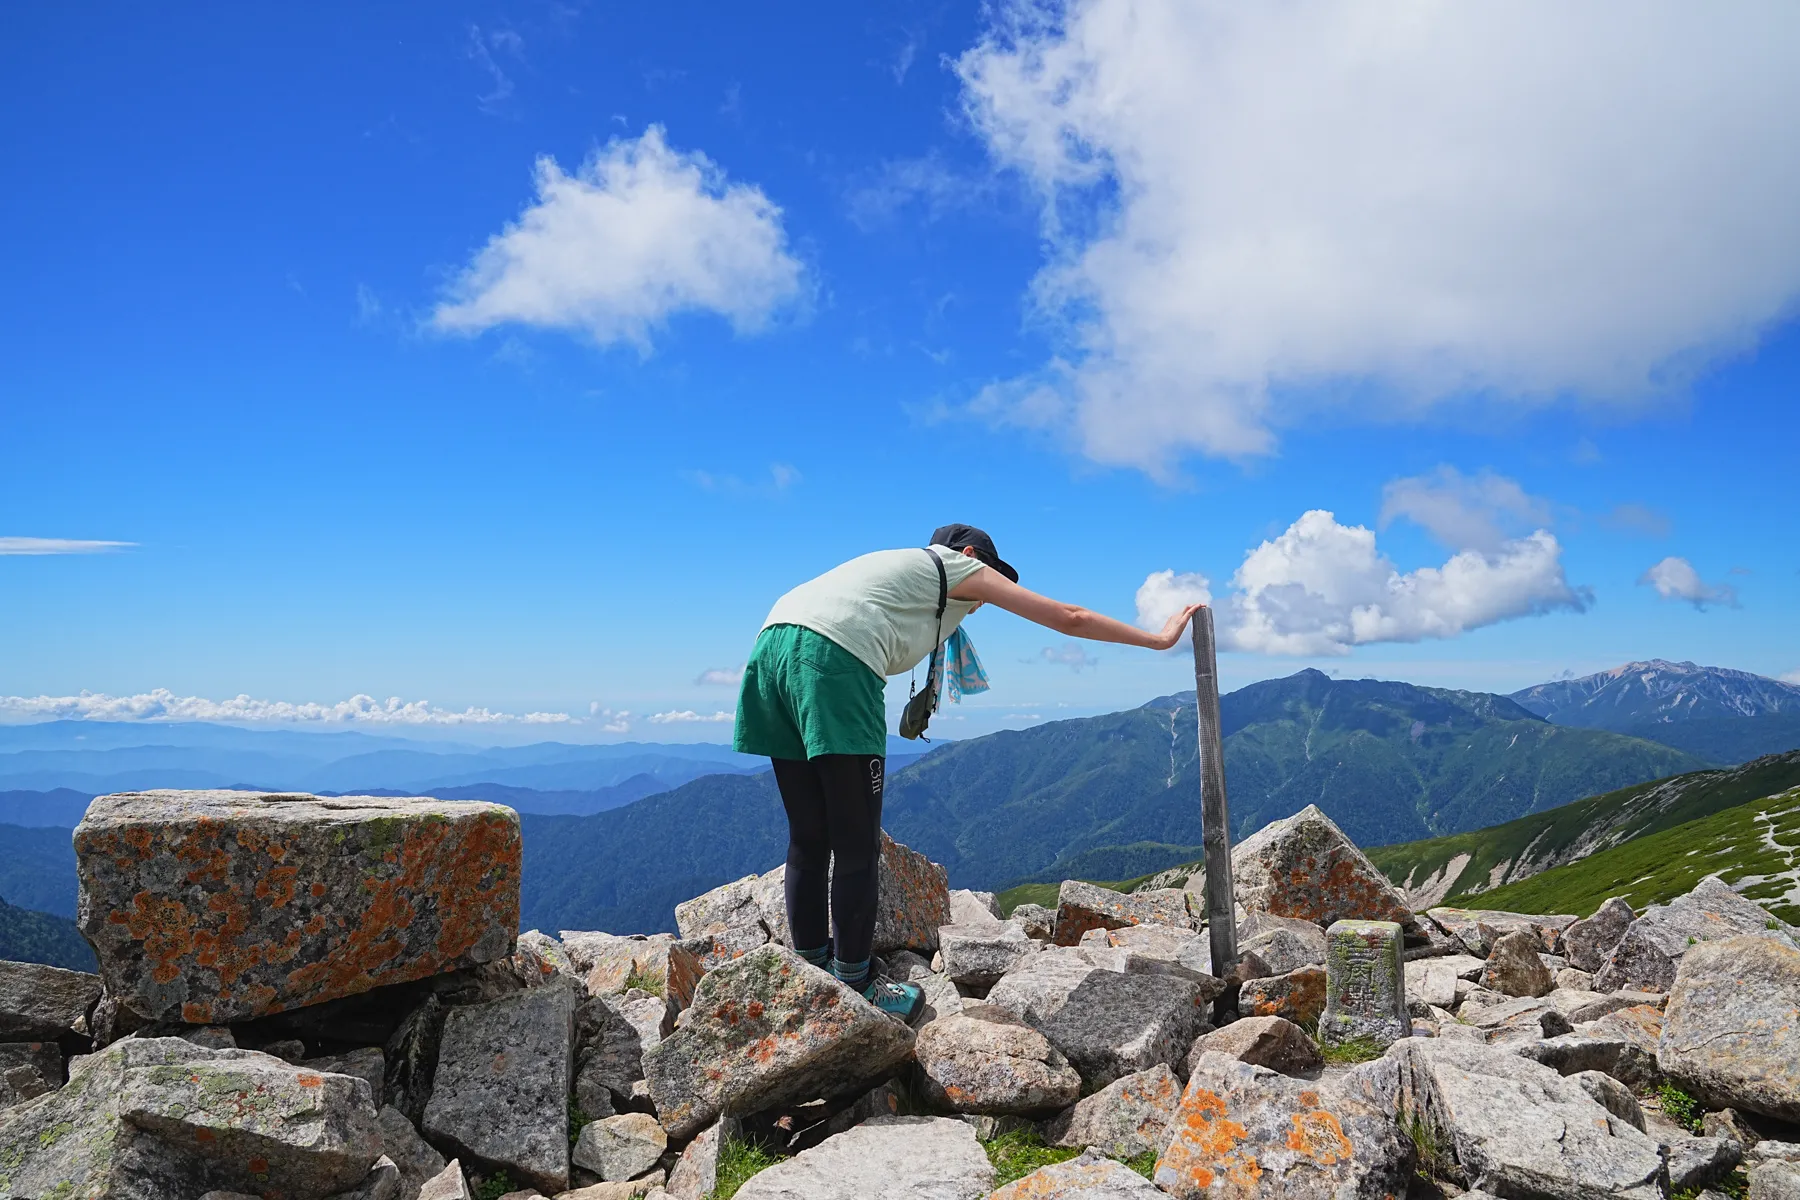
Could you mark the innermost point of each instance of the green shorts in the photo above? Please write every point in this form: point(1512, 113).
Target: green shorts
point(804, 695)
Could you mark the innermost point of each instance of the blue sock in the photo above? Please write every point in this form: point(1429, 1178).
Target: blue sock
point(820, 958)
point(851, 975)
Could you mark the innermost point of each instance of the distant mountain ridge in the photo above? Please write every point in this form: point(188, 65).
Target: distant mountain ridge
point(1658, 692)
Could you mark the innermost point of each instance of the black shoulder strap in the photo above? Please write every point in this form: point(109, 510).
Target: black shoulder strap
point(943, 587)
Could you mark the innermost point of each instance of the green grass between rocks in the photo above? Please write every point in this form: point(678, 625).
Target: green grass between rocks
point(738, 1161)
point(1144, 1164)
point(494, 1186)
point(1754, 846)
point(1019, 1152)
point(1350, 1052)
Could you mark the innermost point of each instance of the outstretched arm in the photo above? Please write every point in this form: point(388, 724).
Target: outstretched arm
point(992, 587)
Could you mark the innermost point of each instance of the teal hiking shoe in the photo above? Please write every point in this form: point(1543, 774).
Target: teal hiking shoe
point(902, 1001)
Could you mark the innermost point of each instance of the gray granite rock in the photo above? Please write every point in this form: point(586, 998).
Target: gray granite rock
point(1514, 968)
point(696, 1173)
point(1698, 1162)
point(1611, 1095)
point(978, 955)
point(1729, 1123)
point(1430, 983)
point(986, 1060)
point(1478, 928)
point(1589, 942)
point(40, 1003)
point(367, 1063)
point(1774, 1181)
point(28, 1070)
point(1731, 1032)
point(609, 1055)
point(765, 1030)
point(504, 1074)
point(1283, 943)
point(537, 958)
point(215, 906)
point(1084, 906)
point(1517, 1128)
point(1126, 1118)
point(448, 1184)
point(972, 908)
point(381, 1183)
point(887, 1158)
point(1298, 996)
point(1272, 1042)
point(153, 1117)
point(1303, 866)
point(1573, 980)
point(1646, 957)
point(1089, 1177)
point(1106, 1024)
point(621, 1147)
point(1039, 922)
point(413, 1156)
point(1244, 1130)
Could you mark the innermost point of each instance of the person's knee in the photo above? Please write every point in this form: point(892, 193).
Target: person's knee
point(808, 853)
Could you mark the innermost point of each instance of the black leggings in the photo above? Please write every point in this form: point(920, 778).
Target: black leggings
point(833, 807)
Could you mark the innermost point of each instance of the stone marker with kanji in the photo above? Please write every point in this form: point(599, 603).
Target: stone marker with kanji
point(1365, 984)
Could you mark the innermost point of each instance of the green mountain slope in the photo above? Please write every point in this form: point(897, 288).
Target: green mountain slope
point(37, 868)
point(1470, 863)
point(27, 936)
point(1755, 846)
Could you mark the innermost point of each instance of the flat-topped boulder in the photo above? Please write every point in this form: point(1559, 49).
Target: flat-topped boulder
point(216, 906)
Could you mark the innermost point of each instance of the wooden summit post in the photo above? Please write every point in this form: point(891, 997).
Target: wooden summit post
point(1215, 820)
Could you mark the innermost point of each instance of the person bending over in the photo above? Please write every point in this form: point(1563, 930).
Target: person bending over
point(812, 701)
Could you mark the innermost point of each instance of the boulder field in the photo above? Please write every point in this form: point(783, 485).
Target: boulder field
point(310, 998)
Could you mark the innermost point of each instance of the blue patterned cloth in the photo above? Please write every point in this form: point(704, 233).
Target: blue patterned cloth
point(962, 668)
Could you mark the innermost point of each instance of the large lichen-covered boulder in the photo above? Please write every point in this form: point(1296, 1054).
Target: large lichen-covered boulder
point(1089, 1177)
point(156, 1117)
point(884, 1158)
point(1244, 1130)
point(1081, 907)
point(1731, 1032)
point(1517, 1128)
point(1126, 1118)
point(1647, 956)
point(765, 1030)
point(986, 1060)
point(41, 1003)
point(504, 1073)
point(212, 907)
point(1303, 866)
point(913, 902)
point(1298, 996)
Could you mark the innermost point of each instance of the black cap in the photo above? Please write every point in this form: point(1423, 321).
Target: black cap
point(959, 536)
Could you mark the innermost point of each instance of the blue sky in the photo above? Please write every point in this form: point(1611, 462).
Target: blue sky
point(517, 357)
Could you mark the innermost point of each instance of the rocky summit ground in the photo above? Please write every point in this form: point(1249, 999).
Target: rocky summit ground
point(302, 999)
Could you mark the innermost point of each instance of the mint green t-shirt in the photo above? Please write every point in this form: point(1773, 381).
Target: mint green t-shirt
point(881, 607)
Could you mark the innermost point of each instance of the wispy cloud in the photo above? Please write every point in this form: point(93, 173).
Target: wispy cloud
point(1464, 512)
point(929, 184)
point(690, 717)
point(1675, 578)
point(639, 233)
point(164, 705)
point(721, 676)
point(485, 50)
point(1792, 676)
point(34, 545)
point(1070, 654)
point(782, 476)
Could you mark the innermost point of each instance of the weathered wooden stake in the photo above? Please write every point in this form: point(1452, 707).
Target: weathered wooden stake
point(1215, 820)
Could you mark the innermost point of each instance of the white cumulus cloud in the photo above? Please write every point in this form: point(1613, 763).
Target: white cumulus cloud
point(690, 717)
point(639, 233)
point(721, 676)
point(1676, 579)
point(1323, 588)
point(35, 545)
point(163, 705)
point(1465, 512)
point(1520, 200)
point(611, 720)
point(1164, 593)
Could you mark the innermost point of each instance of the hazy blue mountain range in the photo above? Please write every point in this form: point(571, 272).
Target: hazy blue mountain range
point(1627, 698)
point(37, 868)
